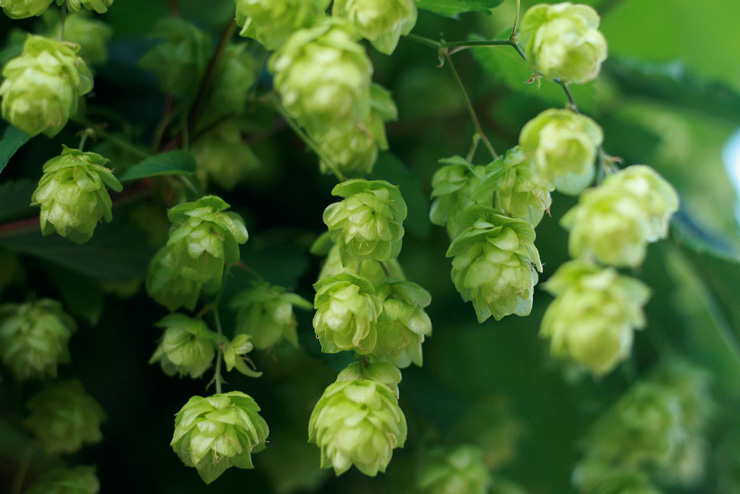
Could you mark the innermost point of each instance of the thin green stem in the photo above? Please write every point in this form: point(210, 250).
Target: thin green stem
point(191, 186)
point(568, 94)
point(423, 40)
point(473, 148)
point(84, 136)
point(20, 476)
point(219, 330)
point(62, 21)
point(470, 44)
point(516, 21)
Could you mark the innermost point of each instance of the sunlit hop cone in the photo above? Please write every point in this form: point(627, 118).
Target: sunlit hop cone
point(368, 223)
point(323, 76)
point(224, 157)
point(34, 337)
point(203, 239)
point(378, 372)
point(20, 9)
point(218, 432)
point(77, 480)
point(373, 271)
point(382, 22)
point(64, 417)
point(594, 314)
point(187, 346)
point(271, 22)
point(73, 194)
point(495, 264)
point(99, 6)
point(357, 423)
point(265, 312)
point(347, 309)
point(403, 324)
point(563, 41)
point(91, 34)
point(562, 145)
point(43, 85)
point(520, 190)
point(459, 470)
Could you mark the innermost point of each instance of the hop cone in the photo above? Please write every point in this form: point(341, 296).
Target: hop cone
point(64, 417)
point(495, 264)
point(73, 196)
point(43, 85)
point(378, 372)
point(99, 6)
point(271, 22)
point(459, 470)
point(217, 432)
point(91, 34)
point(224, 157)
point(373, 271)
point(21, 9)
point(597, 476)
point(78, 480)
point(187, 346)
point(34, 337)
point(357, 422)
point(382, 22)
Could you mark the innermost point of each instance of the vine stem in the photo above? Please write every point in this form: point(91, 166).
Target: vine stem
point(62, 21)
point(516, 20)
point(219, 330)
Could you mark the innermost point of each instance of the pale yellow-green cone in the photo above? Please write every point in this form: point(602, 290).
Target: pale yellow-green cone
point(382, 22)
point(563, 41)
point(271, 22)
point(357, 423)
point(594, 475)
point(21, 9)
point(73, 194)
point(99, 6)
point(594, 315)
point(64, 417)
point(459, 470)
point(379, 372)
point(43, 85)
point(223, 157)
point(77, 480)
point(187, 346)
point(562, 145)
point(34, 338)
point(91, 34)
point(373, 271)
point(218, 432)
point(692, 386)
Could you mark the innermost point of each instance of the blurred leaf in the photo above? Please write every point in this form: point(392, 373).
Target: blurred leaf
point(452, 8)
point(15, 199)
point(13, 139)
point(172, 163)
point(693, 236)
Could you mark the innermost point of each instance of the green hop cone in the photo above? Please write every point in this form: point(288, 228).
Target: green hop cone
point(21, 9)
point(323, 76)
point(34, 338)
point(562, 146)
point(594, 314)
point(373, 271)
point(459, 470)
point(692, 386)
point(64, 417)
point(42, 86)
point(203, 239)
point(379, 372)
point(235, 355)
point(224, 157)
point(187, 346)
point(347, 309)
point(563, 41)
point(403, 324)
point(73, 194)
point(77, 480)
point(265, 313)
point(99, 6)
point(368, 223)
point(382, 22)
point(359, 423)
point(271, 22)
point(217, 432)
point(495, 264)
point(597, 476)
point(92, 35)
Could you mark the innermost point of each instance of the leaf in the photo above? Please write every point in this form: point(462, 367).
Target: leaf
point(13, 139)
point(15, 200)
point(452, 8)
point(172, 163)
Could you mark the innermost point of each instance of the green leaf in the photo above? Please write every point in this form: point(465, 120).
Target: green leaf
point(172, 163)
point(452, 8)
point(13, 139)
point(15, 200)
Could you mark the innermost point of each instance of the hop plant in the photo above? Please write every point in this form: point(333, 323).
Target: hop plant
point(64, 417)
point(378, 372)
point(382, 22)
point(224, 157)
point(92, 35)
point(368, 223)
point(43, 85)
point(21, 9)
point(203, 238)
point(271, 22)
point(73, 196)
point(373, 271)
point(34, 337)
point(594, 314)
point(563, 41)
point(217, 432)
point(187, 346)
point(594, 475)
point(265, 313)
point(459, 470)
point(495, 264)
point(78, 480)
point(357, 423)
point(347, 309)
point(99, 6)
point(562, 145)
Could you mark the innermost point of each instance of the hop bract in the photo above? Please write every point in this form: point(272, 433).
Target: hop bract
point(459, 470)
point(563, 41)
point(368, 223)
point(21, 9)
point(562, 145)
point(187, 346)
point(495, 264)
point(595, 475)
point(382, 22)
point(217, 432)
point(42, 87)
point(203, 239)
point(92, 35)
point(347, 309)
point(34, 337)
point(224, 157)
point(265, 313)
point(378, 372)
point(594, 314)
point(357, 423)
point(73, 196)
point(64, 417)
point(99, 6)
point(373, 271)
point(271, 22)
point(78, 480)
